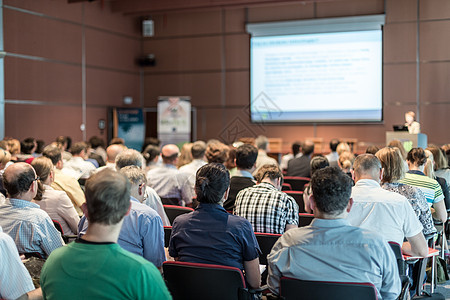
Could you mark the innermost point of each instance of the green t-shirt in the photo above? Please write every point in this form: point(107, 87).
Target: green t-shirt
point(100, 271)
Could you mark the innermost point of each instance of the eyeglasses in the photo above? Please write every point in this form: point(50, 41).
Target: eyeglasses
point(37, 178)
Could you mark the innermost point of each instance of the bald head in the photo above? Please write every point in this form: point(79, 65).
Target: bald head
point(112, 152)
point(308, 147)
point(170, 153)
point(18, 181)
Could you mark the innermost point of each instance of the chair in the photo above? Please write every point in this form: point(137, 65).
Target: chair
point(291, 288)
point(402, 267)
point(304, 219)
point(266, 242)
point(167, 233)
point(286, 187)
point(297, 183)
point(66, 238)
point(298, 197)
point(203, 281)
point(173, 211)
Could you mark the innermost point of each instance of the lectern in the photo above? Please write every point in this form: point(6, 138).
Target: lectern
point(408, 140)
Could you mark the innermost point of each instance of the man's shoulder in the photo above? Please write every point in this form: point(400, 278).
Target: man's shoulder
point(142, 209)
point(376, 193)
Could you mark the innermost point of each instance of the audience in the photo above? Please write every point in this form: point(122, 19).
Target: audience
point(185, 155)
point(300, 166)
point(345, 162)
point(151, 155)
point(198, 150)
point(77, 166)
point(216, 152)
point(210, 234)
point(333, 156)
point(111, 153)
point(372, 149)
point(262, 143)
point(63, 182)
point(317, 163)
point(393, 171)
point(29, 226)
point(169, 183)
point(433, 193)
point(429, 171)
point(95, 266)
point(66, 143)
point(382, 211)
point(264, 205)
point(330, 249)
point(98, 147)
point(296, 146)
point(440, 163)
point(56, 203)
point(245, 162)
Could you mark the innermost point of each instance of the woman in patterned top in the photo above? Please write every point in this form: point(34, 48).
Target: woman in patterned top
point(394, 170)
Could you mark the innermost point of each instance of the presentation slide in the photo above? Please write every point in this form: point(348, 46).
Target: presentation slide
point(325, 77)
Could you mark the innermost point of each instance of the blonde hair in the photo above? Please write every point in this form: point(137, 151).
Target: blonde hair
point(346, 159)
point(429, 165)
point(14, 147)
point(397, 144)
point(185, 155)
point(439, 158)
point(392, 163)
point(43, 167)
point(342, 147)
point(5, 157)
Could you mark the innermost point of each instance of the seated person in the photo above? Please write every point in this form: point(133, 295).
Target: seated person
point(95, 266)
point(317, 163)
point(300, 166)
point(268, 209)
point(15, 281)
point(210, 235)
point(330, 249)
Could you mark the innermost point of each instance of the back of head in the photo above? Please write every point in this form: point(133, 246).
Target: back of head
point(53, 152)
point(27, 145)
point(117, 141)
point(367, 165)
point(5, 157)
point(62, 140)
point(150, 153)
point(392, 163)
point(216, 152)
point(341, 147)
point(429, 165)
point(268, 171)
point(77, 148)
point(417, 157)
point(170, 153)
point(96, 142)
point(18, 178)
point(333, 144)
point(331, 189)
point(398, 144)
point(317, 163)
point(134, 174)
point(439, 158)
point(372, 149)
point(261, 142)
point(107, 197)
point(129, 157)
point(346, 159)
point(308, 147)
point(246, 156)
point(211, 183)
point(198, 149)
point(14, 146)
point(296, 148)
point(43, 167)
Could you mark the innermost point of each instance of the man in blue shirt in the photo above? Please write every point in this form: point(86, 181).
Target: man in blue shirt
point(330, 249)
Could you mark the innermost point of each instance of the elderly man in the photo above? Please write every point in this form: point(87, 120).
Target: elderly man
point(262, 143)
point(330, 249)
point(30, 227)
point(198, 151)
point(95, 266)
point(382, 211)
point(111, 153)
point(171, 185)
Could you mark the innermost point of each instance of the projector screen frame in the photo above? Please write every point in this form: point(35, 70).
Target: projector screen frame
point(341, 24)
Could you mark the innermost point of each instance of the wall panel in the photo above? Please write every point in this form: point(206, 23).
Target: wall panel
point(400, 42)
point(401, 10)
point(282, 12)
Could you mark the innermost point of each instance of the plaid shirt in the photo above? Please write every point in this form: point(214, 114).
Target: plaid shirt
point(30, 227)
point(267, 209)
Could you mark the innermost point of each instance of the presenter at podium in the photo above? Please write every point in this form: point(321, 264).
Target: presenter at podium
point(413, 126)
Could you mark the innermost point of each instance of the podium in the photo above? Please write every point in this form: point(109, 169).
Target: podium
point(408, 140)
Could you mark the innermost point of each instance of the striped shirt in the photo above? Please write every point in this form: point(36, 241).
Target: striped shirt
point(430, 187)
point(30, 227)
point(267, 209)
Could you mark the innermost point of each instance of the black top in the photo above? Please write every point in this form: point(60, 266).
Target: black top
point(237, 183)
point(299, 166)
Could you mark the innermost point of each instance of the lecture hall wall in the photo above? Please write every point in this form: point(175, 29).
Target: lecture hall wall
point(204, 54)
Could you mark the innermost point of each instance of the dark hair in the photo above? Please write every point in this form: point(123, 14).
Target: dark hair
point(307, 148)
point(216, 152)
point(78, 147)
point(39, 146)
point(96, 142)
point(246, 156)
point(27, 145)
point(268, 171)
point(366, 164)
point(318, 162)
point(107, 197)
point(198, 149)
point(331, 189)
point(150, 153)
point(53, 152)
point(211, 182)
point(417, 156)
point(333, 144)
point(150, 141)
point(372, 149)
point(16, 184)
point(117, 141)
point(296, 148)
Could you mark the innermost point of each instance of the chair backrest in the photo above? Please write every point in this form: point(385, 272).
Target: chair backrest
point(167, 233)
point(291, 288)
point(286, 187)
point(202, 281)
point(173, 211)
point(58, 226)
point(399, 257)
point(297, 183)
point(304, 219)
point(298, 197)
point(266, 242)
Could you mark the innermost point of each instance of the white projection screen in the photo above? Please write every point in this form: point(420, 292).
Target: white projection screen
point(313, 71)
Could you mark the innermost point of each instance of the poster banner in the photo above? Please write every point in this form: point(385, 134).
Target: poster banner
point(129, 125)
point(174, 120)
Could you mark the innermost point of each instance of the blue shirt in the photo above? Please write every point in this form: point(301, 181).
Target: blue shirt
point(142, 233)
point(332, 250)
point(210, 235)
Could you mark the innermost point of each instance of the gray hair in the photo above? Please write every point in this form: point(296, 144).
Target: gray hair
point(134, 174)
point(129, 157)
